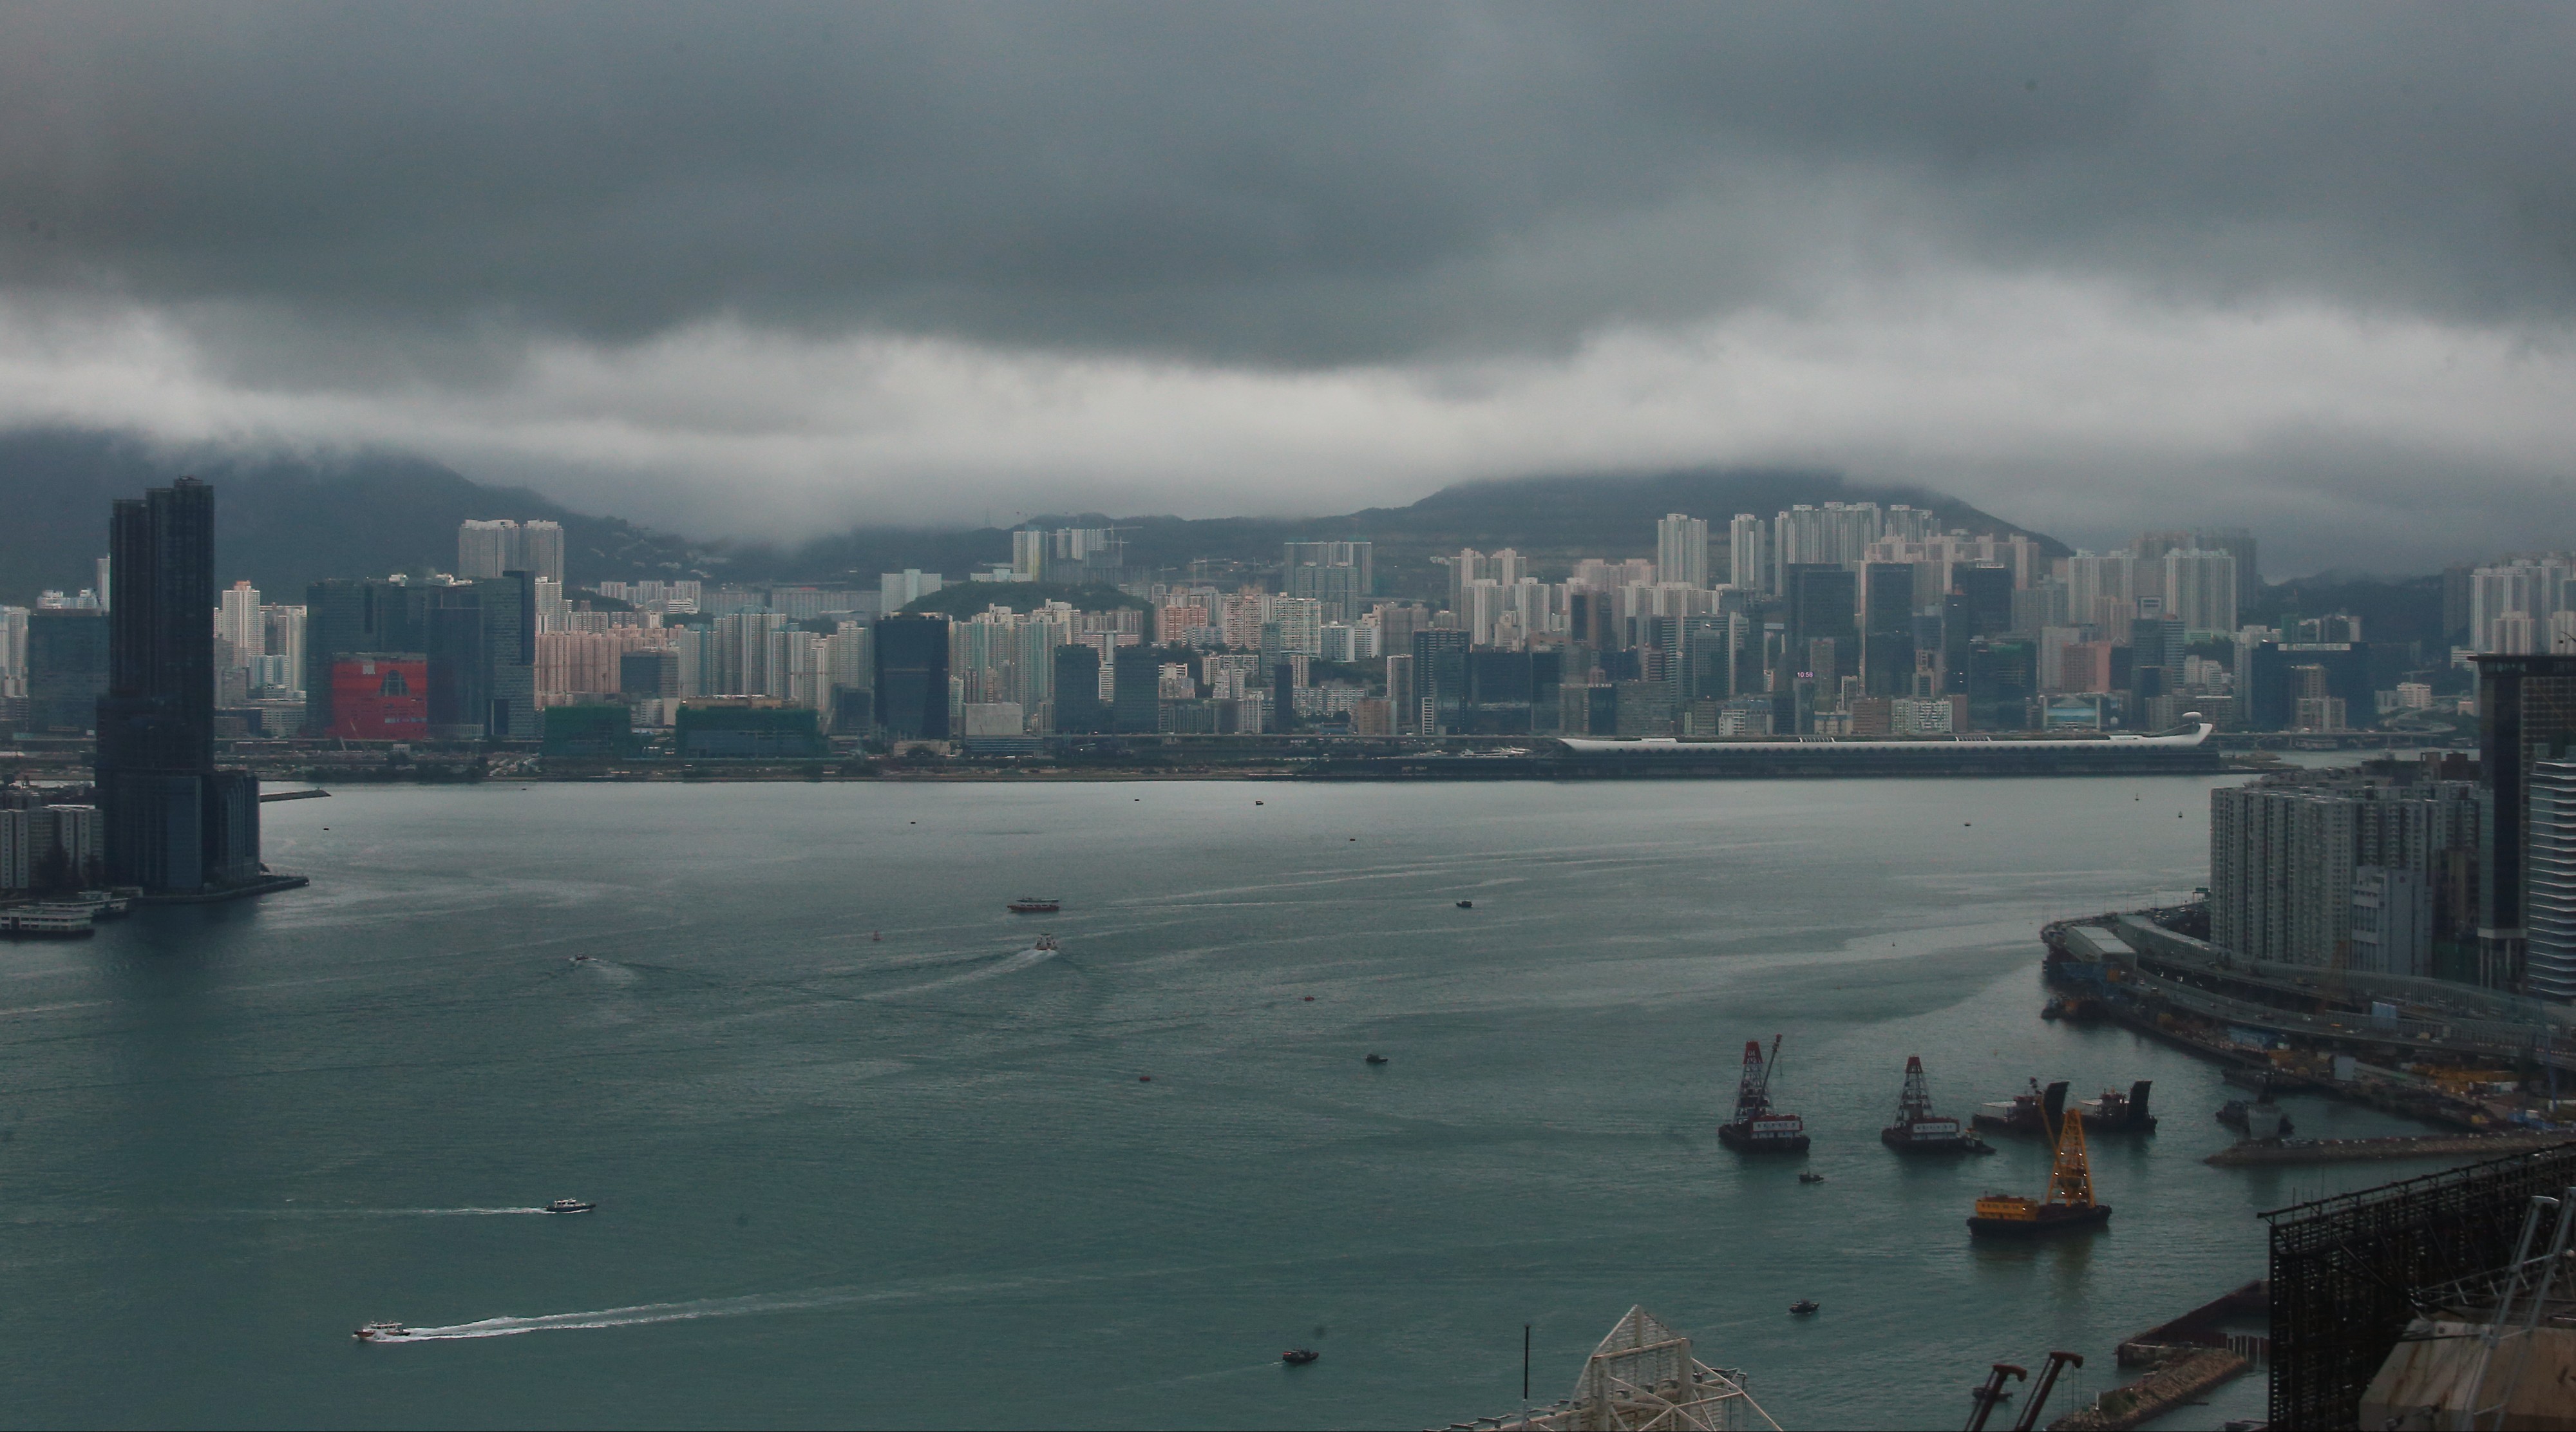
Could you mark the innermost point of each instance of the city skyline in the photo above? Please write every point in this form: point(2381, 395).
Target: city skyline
point(711, 716)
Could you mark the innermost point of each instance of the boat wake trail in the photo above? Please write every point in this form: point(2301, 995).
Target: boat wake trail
point(745, 1306)
point(1010, 964)
point(377, 1212)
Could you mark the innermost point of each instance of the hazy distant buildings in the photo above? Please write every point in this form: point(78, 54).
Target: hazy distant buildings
point(1339, 575)
point(1681, 550)
point(898, 590)
point(1748, 549)
point(496, 548)
point(2200, 589)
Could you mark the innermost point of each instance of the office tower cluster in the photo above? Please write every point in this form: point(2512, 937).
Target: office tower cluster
point(1848, 619)
point(433, 657)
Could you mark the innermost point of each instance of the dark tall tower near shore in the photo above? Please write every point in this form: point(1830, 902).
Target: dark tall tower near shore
point(174, 823)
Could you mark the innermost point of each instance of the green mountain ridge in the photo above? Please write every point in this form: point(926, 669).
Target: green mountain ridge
point(285, 521)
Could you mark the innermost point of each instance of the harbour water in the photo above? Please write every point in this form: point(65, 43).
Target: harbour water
point(938, 1178)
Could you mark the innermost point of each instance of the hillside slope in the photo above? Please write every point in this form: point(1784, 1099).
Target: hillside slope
point(285, 521)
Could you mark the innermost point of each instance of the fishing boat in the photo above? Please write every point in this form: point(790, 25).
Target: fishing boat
point(1034, 905)
point(1299, 1356)
point(1804, 1307)
point(1377, 1059)
point(570, 1205)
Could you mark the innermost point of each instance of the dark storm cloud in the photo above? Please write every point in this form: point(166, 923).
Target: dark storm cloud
point(1294, 185)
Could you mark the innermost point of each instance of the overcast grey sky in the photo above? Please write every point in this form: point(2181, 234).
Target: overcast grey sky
point(750, 268)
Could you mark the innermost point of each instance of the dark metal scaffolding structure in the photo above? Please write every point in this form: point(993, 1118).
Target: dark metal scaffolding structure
point(2345, 1271)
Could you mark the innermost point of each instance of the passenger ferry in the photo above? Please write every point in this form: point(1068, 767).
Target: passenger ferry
point(52, 920)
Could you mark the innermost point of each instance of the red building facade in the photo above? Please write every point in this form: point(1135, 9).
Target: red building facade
point(380, 697)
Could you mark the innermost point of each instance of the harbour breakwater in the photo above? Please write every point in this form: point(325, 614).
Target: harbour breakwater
point(2254, 1153)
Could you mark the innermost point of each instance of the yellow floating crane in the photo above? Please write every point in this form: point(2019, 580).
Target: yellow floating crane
point(2070, 1202)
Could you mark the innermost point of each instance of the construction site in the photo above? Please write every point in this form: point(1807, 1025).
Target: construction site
point(2430, 1304)
point(2447, 1054)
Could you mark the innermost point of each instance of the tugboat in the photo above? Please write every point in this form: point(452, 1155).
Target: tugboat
point(570, 1205)
point(2070, 1204)
point(2118, 1113)
point(1034, 905)
point(1299, 1356)
point(2033, 1113)
point(1757, 1128)
point(1804, 1308)
point(381, 1332)
point(1917, 1129)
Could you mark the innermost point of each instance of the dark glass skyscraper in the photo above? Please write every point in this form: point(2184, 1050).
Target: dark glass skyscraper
point(174, 823)
point(66, 669)
point(2526, 715)
point(1078, 708)
point(1887, 628)
point(1440, 677)
point(1824, 604)
point(912, 677)
point(1135, 690)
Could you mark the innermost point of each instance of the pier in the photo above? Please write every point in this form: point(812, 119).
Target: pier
point(2425, 1049)
point(2184, 1358)
point(2253, 1153)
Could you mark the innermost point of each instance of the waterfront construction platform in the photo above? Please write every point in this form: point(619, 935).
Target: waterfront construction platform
point(264, 885)
point(2182, 1359)
point(2448, 1054)
point(2259, 1153)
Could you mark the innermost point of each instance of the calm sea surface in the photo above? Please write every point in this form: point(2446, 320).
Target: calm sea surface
point(918, 1180)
